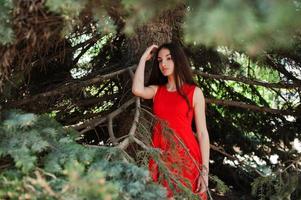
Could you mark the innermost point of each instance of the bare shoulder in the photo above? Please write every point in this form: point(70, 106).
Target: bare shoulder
point(198, 96)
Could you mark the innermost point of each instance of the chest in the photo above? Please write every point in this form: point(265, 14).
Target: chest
point(170, 104)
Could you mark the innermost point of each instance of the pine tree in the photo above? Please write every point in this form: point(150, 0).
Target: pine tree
point(72, 60)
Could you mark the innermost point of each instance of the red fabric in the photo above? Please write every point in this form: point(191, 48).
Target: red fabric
point(180, 149)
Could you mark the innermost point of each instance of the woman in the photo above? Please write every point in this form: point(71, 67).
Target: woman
point(177, 100)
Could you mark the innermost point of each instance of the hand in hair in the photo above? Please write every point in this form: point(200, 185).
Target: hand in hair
point(149, 52)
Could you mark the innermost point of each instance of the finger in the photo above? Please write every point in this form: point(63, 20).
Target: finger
point(154, 47)
point(153, 50)
point(203, 188)
point(198, 185)
point(151, 53)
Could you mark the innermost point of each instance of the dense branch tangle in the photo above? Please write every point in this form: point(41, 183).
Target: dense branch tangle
point(89, 124)
point(79, 84)
point(124, 141)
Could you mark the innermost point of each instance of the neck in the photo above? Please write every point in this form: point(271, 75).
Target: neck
point(171, 83)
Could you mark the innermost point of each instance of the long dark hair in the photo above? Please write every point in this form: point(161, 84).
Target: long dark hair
point(182, 69)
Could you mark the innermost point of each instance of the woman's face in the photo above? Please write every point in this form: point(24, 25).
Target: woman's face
point(166, 63)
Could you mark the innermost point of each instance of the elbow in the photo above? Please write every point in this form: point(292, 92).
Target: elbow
point(135, 91)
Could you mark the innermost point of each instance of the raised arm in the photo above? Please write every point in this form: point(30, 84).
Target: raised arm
point(138, 87)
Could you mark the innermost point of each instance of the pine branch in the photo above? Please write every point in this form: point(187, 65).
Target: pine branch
point(251, 107)
point(90, 124)
point(67, 87)
point(75, 61)
point(92, 101)
point(90, 41)
point(78, 84)
point(282, 69)
point(42, 182)
point(248, 81)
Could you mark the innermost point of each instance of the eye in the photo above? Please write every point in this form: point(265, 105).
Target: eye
point(169, 58)
point(159, 61)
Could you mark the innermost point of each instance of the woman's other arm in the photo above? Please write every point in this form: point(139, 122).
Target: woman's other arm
point(202, 133)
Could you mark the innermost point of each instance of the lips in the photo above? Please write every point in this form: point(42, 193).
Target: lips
point(164, 69)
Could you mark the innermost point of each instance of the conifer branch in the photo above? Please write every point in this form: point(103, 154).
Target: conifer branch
point(250, 107)
point(248, 81)
point(90, 124)
point(67, 87)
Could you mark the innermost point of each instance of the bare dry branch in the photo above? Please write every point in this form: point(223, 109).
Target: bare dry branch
point(124, 144)
point(110, 129)
point(140, 143)
point(90, 124)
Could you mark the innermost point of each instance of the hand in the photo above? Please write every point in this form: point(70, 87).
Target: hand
point(148, 54)
point(202, 183)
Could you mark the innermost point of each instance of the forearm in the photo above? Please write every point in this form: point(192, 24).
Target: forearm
point(138, 80)
point(205, 150)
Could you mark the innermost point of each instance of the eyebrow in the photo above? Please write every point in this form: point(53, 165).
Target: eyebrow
point(165, 56)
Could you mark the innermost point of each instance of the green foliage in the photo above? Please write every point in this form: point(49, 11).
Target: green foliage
point(6, 32)
point(140, 12)
point(132, 180)
point(21, 142)
point(104, 23)
point(11, 184)
point(69, 10)
point(241, 24)
point(76, 184)
point(275, 186)
point(221, 187)
point(248, 25)
point(45, 162)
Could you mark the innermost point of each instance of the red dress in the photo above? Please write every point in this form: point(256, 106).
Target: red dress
point(173, 134)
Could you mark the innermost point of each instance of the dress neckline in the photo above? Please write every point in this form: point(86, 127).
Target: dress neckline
point(172, 91)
